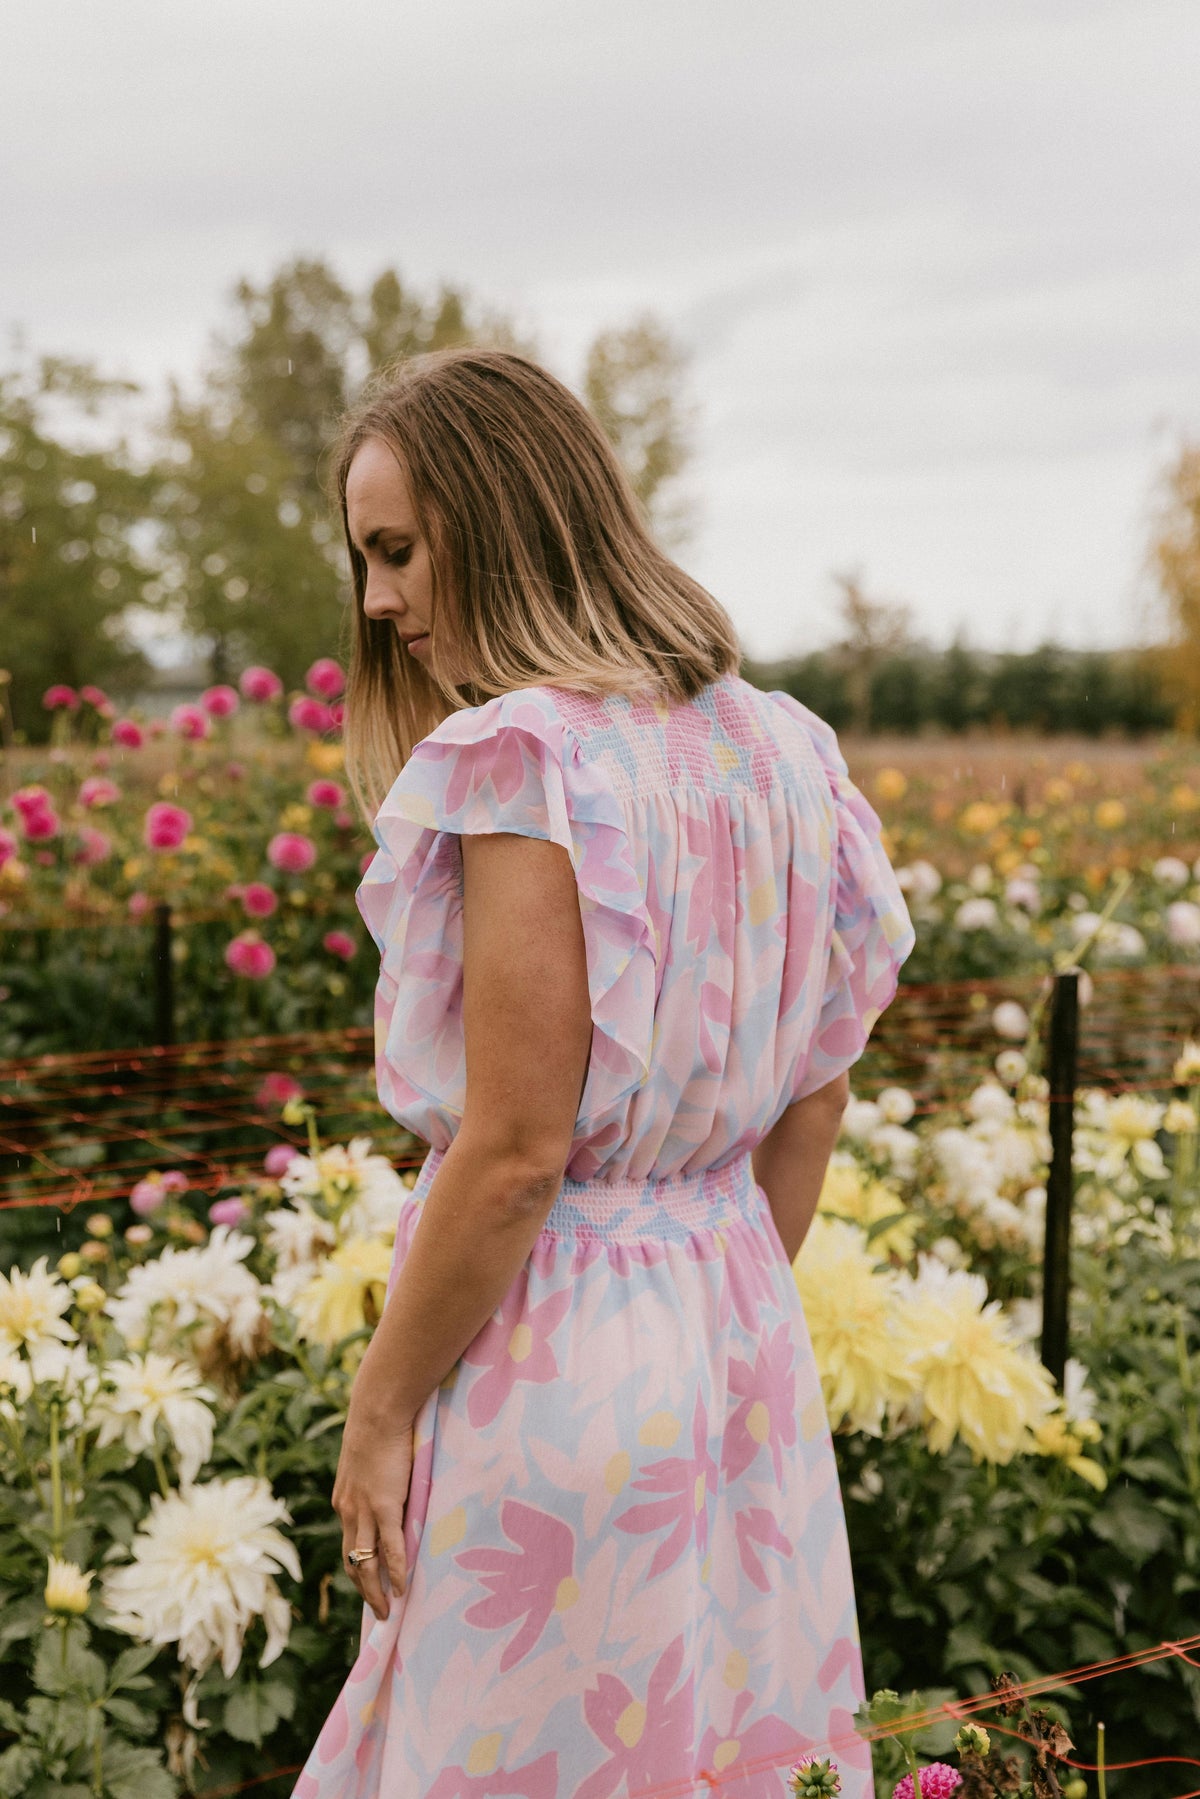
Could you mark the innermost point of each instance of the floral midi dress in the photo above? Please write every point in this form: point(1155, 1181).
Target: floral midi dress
point(628, 1564)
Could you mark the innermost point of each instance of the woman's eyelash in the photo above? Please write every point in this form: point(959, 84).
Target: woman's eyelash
point(398, 557)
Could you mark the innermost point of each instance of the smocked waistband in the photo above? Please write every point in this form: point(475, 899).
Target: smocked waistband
point(671, 1207)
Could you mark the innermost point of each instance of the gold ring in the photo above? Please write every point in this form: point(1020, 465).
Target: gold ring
point(355, 1556)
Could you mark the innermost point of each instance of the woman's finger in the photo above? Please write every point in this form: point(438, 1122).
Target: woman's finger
point(369, 1581)
point(390, 1525)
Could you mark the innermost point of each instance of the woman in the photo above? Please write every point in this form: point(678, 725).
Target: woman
point(635, 924)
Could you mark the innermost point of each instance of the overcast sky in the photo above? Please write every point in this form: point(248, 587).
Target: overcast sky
point(938, 264)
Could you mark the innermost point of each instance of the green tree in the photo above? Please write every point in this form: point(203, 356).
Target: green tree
point(248, 560)
point(632, 383)
point(70, 563)
point(251, 555)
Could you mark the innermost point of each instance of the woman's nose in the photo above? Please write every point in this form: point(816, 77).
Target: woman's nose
point(377, 601)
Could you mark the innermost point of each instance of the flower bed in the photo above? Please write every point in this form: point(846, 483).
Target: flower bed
point(234, 811)
point(171, 1395)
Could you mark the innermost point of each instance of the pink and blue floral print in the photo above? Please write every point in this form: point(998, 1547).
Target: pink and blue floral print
point(627, 1551)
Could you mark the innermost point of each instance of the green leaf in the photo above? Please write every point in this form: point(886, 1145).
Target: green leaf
point(131, 1772)
point(18, 1765)
point(133, 1717)
point(80, 1670)
point(130, 1662)
point(21, 1619)
point(1131, 1524)
point(253, 1711)
point(965, 1645)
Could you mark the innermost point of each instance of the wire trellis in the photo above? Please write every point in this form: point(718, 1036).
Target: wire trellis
point(82, 1129)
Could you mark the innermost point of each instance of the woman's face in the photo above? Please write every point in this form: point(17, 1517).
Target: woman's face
point(383, 525)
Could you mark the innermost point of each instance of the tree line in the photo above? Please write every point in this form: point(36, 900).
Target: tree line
point(223, 529)
point(223, 532)
point(1048, 690)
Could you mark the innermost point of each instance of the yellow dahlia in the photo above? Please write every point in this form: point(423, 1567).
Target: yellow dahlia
point(858, 1324)
point(977, 1381)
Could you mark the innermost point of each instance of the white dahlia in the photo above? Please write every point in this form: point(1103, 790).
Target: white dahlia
point(32, 1307)
point(203, 1569)
point(349, 1176)
point(145, 1389)
point(185, 1287)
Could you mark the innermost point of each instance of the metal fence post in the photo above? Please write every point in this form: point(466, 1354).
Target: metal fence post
point(164, 976)
point(1061, 1071)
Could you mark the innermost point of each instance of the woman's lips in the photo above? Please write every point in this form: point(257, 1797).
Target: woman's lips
point(414, 641)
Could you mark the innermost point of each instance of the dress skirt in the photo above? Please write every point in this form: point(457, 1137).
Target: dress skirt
point(628, 1571)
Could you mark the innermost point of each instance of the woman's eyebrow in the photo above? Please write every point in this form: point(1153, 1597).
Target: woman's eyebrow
point(372, 537)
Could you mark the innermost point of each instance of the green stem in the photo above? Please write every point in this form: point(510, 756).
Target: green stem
point(910, 1756)
point(56, 1496)
point(1182, 1175)
point(1191, 1423)
point(1100, 1781)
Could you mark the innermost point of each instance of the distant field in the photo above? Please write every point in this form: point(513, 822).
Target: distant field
point(1087, 803)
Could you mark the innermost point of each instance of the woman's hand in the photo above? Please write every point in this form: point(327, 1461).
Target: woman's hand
point(370, 1493)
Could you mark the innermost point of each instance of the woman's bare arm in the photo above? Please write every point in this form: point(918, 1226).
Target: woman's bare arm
point(790, 1162)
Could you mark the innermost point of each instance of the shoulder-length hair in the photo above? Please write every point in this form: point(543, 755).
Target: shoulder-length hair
point(539, 539)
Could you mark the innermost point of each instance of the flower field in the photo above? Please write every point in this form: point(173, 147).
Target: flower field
point(171, 1389)
point(175, 1369)
point(232, 812)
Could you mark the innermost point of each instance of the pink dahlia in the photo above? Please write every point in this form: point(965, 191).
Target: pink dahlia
point(325, 678)
point(94, 846)
point(260, 684)
point(292, 852)
point(95, 696)
point(98, 790)
point(815, 1778)
point(325, 793)
point(139, 904)
point(220, 702)
point(258, 900)
point(127, 732)
point(938, 1781)
point(166, 826)
point(250, 956)
point(277, 1089)
point(40, 823)
point(189, 721)
point(337, 713)
point(235, 771)
point(232, 1211)
point(150, 1192)
point(32, 799)
point(339, 943)
point(8, 846)
point(60, 695)
point(279, 1157)
point(310, 715)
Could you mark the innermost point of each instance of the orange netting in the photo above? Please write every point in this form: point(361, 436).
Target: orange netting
point(82, 1129)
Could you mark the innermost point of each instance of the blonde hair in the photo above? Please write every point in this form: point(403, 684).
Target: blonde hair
point(536, 533)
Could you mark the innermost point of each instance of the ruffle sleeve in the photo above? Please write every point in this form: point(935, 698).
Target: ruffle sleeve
point(510, 765)
point(870, 932)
